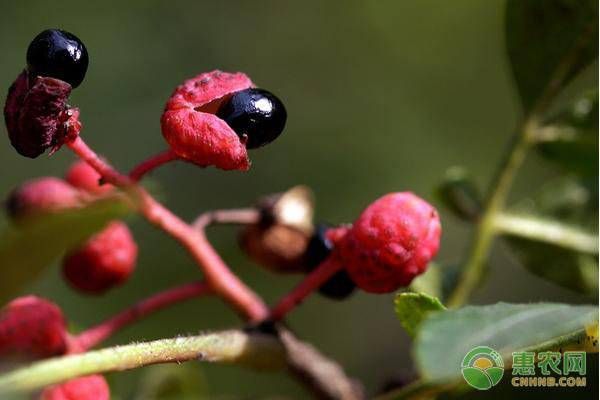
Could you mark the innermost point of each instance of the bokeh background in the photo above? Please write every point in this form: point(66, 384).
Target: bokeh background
point(381, 95)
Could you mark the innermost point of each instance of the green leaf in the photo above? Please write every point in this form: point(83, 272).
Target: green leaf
point(28, 247)
point(445, 338)
point(571, 139)
point(412, 308)
point(572, 202)
point(548, 43)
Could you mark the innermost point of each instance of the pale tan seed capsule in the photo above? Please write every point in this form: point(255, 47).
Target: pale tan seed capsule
point(278, 242)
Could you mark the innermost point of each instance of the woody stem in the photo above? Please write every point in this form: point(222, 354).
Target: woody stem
point(218, 276)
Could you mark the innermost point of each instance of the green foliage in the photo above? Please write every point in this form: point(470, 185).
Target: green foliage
point(548, 43)
point(412, 308)
point(28, 247)
point(445, 338)
point(573, 202)
point(546, 39)
point(573, 136)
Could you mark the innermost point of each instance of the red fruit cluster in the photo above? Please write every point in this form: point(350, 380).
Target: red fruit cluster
point(92, 387)
point(82, 176)
point(40, 196)
point(391, 242)
point(37, 115)
point(31, 327)
point(107, 259)
point(194, 132)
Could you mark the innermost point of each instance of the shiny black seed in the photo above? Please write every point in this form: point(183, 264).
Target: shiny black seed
point(58, 54)
point(255, 113)
point(339, 286)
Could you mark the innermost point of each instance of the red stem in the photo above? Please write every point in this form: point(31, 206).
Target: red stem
point(97, 334)
point(220, 278)
point(310, 283)
point(108, 173)
point(151, 163)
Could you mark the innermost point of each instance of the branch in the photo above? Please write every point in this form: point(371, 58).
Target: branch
point(97, 334)
point(234, 347)
point(323, 376)
point(311, 282)
point(484, 235)
point(236, 216)
point(151, 163)
point(500, 186)
point(547, 231)
point(275, 350)
point(220, 278)
point(554, 133)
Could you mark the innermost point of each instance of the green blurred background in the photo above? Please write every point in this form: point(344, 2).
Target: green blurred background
point(381, 95)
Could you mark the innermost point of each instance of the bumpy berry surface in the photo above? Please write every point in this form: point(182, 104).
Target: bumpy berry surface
point(256, 114)
point(92, 387)
point(31, 327)
point(58, 54)
point(36, 114)
point(320, 246)
point(82, 176)
point(392, 241)
point(40, 196)
point(107, 259)
point(194, 132)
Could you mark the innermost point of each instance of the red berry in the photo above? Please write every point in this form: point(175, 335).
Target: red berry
point(106, 260)
point(192, 129)
point(32, 327)
point(82, 176)
point(41, 195)
point(92, 387)
point(392, 241)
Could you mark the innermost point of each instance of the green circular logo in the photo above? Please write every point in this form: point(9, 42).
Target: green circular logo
point(482, 367)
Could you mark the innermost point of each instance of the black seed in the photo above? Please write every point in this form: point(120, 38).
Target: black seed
point(319, 247)
point(339, 286)
point(58, 54)
point(255, 113)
